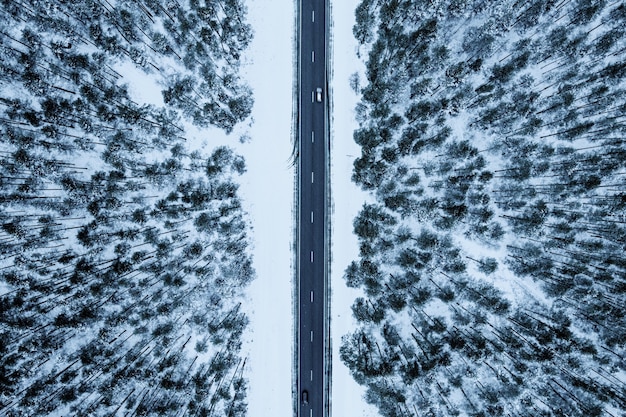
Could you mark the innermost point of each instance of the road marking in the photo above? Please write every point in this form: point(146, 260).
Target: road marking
point(312, 56)
point(311, 256)
point(311, 217)
point(311, 413)
point(313, 16)
point(312, 137)
point(312, 97)
point(311, 374)
point(311, 335)
point(312, 180)
point(311, 296)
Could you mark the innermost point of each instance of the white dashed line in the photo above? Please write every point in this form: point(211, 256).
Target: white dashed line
point(312, 137)
point(311, 217)
point(311, 335)
point(311, 374)
point(312, 178)
point(312, 56)
point(313, 16)
point(311, 256)
point(311, 296)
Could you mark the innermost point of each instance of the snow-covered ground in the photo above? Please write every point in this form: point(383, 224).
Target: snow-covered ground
point(267, 193)
point(347, 395)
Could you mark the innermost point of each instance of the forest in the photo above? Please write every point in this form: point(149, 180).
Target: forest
point(492, 260)
point(123, 245)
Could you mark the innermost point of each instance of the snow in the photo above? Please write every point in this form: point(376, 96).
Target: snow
point(267, 194)
point(142, 89)
point(347, 395)
point(267, 191)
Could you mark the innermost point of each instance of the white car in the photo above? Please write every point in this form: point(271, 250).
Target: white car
point(318, 94)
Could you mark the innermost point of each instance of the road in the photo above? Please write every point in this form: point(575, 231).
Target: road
point(312, 247)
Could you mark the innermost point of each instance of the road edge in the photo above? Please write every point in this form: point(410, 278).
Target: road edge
point(328, 109)
point(295, 276)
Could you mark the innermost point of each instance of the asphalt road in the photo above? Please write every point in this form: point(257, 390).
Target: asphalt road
point(312, 209)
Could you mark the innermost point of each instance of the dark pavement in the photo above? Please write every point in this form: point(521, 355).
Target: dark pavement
point(312, 209)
